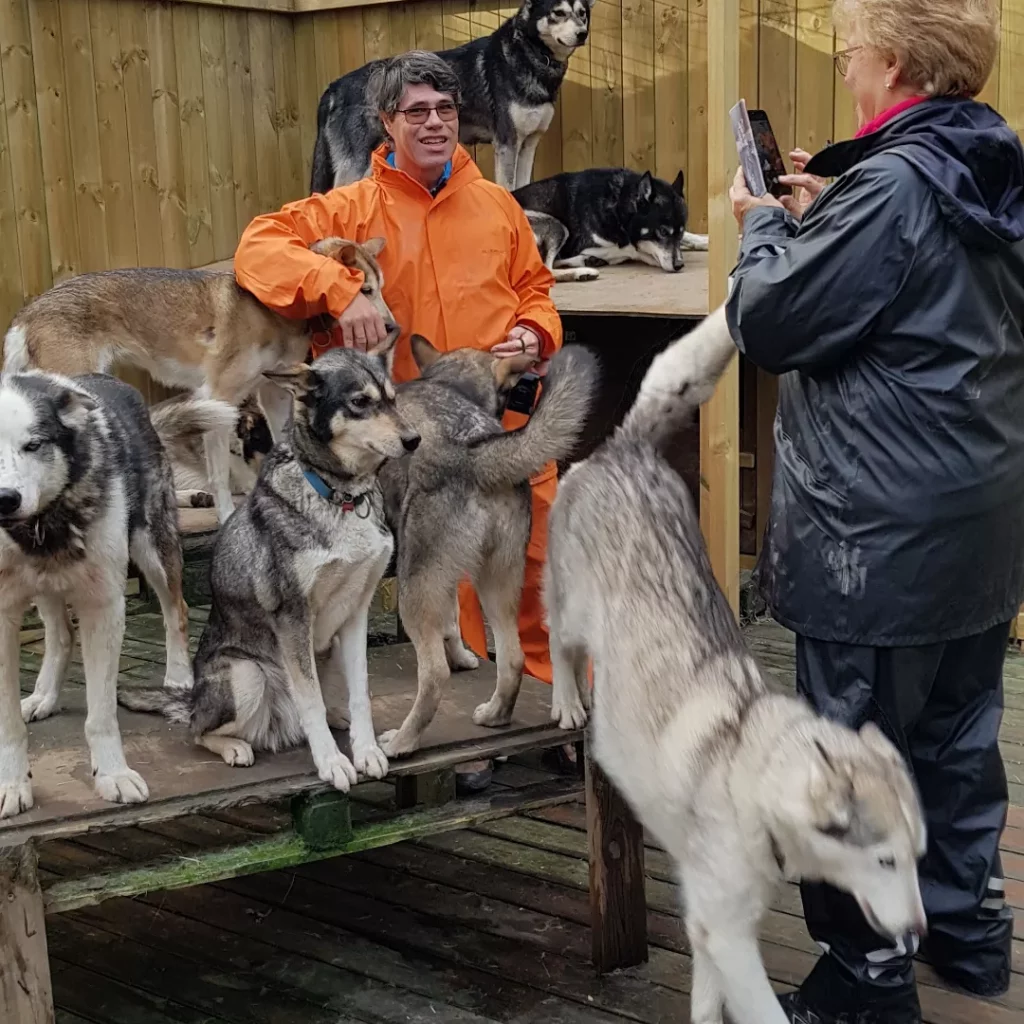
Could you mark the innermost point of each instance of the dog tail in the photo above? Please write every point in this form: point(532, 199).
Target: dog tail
point(174, 704)
point(16, 355)
point(177, 419)
point(680, 380)
point(512, 457)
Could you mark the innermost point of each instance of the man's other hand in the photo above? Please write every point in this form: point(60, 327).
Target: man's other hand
point(361, 324)
point(519, 341)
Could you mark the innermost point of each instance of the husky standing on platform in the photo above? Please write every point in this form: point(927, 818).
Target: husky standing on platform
point(294, 571)
point(84, 484)
point(742, 786)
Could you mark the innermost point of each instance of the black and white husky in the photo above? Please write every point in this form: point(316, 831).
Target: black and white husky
point(509, 80)
point(294, 571)
point(84, 484)
point(608, 215)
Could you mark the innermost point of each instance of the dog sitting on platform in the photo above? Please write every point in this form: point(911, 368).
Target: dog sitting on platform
point(84, 484)
point(293, 573)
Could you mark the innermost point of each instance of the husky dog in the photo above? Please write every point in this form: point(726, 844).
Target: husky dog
point(608, 215)
point(741, 785)
point(84, 484)
point(182, 421)
point(461, 506)
point(509, 82)
point(192, 329)
point(294, 571)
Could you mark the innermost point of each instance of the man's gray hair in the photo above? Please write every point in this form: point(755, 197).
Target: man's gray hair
point(393, 76)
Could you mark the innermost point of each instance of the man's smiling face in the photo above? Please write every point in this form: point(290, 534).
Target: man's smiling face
point(422, 150)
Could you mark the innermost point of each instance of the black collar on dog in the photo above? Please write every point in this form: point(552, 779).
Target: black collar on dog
point(348, 502)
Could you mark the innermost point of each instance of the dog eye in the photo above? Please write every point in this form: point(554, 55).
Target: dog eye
point(889, 863)
point(367, 289)
point(362, 401)
point(32, 446)
point(834, 831)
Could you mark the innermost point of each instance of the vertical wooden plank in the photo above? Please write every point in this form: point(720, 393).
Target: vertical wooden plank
point(376, 32)
point(217, 104)
point(719, 418)
point(605, 47)
point(326, 51)
point(240, 106)
point(167, 128)
point(142, 148)
point(294, 184)
point(21, 114)
point(402, 27)
point(455, 23)
point(638, 121)
point(697, 127)
point(1011, 66)
point(844, 110)
point(83, 125)
point(351, 39)
point(58, 170)
point(577, 112)
point(429, 15)
point(750, 33)
point(670, 89)
point(618, 904)
point(26, 996)
point(308, 90)
point(264, 103)
point(10, 261)
point(777, 69)
point(111, 113)
point(815, 76)
point(192, 113)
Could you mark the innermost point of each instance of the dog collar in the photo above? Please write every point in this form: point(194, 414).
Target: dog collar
point(348, 502)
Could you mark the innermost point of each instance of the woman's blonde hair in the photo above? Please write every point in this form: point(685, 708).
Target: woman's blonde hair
point(944, 47)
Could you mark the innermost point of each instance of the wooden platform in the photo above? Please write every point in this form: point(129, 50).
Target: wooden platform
point(484, 925)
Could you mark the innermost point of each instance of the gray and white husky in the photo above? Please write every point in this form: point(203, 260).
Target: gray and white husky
point(293, 573)
point(84, 484)
point(509, 81)
point(741, 785)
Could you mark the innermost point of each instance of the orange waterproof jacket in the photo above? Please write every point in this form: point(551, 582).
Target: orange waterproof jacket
point(460, 268)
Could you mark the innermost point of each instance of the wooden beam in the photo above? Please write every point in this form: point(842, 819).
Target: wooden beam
point(25, 993)
point(719, 420)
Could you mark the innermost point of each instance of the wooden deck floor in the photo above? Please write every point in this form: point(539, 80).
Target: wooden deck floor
point(486, 925)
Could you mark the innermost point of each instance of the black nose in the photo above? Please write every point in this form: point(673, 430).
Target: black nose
point(411, 443)
point(10, 500)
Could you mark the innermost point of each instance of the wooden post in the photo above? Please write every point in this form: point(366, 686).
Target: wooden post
point(618, 902)
point(425, 789)
point(25, 993)
point(719, 419)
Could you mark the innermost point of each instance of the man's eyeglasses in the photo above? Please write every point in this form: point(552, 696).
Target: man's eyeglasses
point(842, 59)
point(446, 110)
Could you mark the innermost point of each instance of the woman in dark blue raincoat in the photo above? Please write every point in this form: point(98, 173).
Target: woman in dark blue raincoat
point(891, 304)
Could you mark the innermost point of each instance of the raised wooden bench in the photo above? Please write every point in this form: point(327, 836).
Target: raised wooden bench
point(186, 780)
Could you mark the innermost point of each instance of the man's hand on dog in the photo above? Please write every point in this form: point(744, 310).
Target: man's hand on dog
point(361, 324)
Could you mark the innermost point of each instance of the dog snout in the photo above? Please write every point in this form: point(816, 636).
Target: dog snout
point(10, 500)
point(410, 442)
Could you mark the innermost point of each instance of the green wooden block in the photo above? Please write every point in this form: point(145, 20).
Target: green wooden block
point(322, 820)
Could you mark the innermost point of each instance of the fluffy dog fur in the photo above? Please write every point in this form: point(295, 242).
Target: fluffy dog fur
point(84, 483)
point(739, 784)
point(460, 505)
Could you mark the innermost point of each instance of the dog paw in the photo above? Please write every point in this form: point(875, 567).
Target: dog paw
point(178, 680)
point(237, 753)
point(123, 787)
point(461, 658)
point(15, 797)
point(370, 760)
point(36, 707)
point(570, 714)
point(587, 274)
point(339, 772)
point(493, 714)
point(393, 745)
point(201, 499)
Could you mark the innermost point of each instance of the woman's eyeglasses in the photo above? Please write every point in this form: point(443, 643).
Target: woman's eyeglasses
point(842, 59)
point(446, 110)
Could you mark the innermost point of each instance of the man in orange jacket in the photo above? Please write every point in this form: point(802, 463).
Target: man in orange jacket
point(460, 267)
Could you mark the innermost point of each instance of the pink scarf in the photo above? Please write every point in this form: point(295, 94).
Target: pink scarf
point(889, 114)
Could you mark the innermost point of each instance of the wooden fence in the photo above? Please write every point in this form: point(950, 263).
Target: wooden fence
point(149, 133)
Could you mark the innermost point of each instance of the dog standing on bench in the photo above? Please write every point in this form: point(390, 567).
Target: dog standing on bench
point(84, 484)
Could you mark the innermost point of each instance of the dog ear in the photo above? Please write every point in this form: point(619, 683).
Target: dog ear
point(645, 188)
point(830, 793)
point(341, 249)
point(679, 184)
point(374, 245)
point(385, 351)
point(423, 352)
point(513, 366)
point(299, 379)
point(73, 407)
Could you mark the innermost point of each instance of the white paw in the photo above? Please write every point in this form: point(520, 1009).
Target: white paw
point(125, 787)
point(15, 797)
point(178, 680)
point(587, 274)
point(370, 760)
point(237, 753)
point(393, 746)
point(36, 707)
point(338, 771)
point(461, 658)
point(569, 714)
point(493, 714)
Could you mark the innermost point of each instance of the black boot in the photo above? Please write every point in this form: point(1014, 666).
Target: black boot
point(902, 1010)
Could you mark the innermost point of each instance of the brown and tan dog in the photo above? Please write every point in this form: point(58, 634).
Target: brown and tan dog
point(192, 329)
